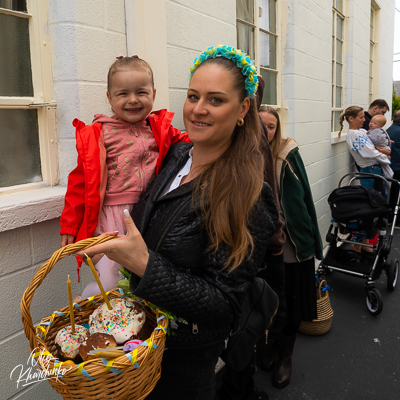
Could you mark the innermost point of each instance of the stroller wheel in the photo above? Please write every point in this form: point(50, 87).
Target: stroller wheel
point(374, 301)
point(392, 273)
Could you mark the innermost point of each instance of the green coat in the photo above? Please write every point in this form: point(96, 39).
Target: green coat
point(297, 204)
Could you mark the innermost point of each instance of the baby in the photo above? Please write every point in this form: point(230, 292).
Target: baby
point(377, 134)
point(380, 138)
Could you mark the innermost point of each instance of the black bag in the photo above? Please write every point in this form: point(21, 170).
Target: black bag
point(350, 203)
point(257, 313)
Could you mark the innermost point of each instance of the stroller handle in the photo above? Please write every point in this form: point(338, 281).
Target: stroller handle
point(365, 175)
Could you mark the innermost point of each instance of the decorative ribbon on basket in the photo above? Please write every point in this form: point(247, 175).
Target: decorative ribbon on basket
point(323, 323)
point(130, 376)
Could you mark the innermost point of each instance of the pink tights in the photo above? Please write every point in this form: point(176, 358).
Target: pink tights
point(108, 277)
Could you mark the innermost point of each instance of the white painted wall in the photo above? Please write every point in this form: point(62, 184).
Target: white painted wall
point(87, 36)
point(192, 26)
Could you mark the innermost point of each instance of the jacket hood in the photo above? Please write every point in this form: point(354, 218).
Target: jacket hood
point(290, 145)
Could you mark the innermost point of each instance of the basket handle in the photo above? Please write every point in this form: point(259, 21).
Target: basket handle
point(42, 272)
point(320, 291)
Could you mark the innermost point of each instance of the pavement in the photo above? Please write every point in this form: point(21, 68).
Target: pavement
point(359, 358)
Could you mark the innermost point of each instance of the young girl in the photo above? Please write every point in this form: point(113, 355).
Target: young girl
point(117, 158)
point(303, 244)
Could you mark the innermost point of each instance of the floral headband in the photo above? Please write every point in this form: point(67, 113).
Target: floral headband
point(241, 59)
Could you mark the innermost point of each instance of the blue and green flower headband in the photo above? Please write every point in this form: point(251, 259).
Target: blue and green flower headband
point(241, 59)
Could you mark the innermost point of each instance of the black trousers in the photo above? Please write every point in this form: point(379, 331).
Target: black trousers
point(394, 192)
point(238, 385)
point(188, 374)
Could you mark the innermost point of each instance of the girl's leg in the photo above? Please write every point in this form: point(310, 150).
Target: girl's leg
point(109, 275)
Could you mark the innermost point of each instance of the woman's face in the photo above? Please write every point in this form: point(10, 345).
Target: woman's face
point(358, 121)
point(212, 107)
point(271, 123)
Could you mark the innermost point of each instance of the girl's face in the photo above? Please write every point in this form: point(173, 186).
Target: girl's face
point(131, 94)
point(358, 121)
point(212, 107)
point(271, 123)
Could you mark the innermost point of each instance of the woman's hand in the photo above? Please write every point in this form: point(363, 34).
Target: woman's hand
point(383, 150)
point(129, 250)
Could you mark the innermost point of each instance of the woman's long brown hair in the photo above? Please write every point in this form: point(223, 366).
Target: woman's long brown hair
point(278, 142)
point(229, 187)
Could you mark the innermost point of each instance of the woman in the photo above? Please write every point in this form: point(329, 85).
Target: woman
point(201, 229)
point(303, 243)
point(360, 146)
point(365, 155)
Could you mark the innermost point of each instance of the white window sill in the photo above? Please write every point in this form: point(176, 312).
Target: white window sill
point(27, 207)
point(335, 139)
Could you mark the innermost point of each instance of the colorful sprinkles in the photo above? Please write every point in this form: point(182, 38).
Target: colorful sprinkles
point(69, 343)
point(124, 320)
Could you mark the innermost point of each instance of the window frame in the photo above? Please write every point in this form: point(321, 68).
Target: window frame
point(42, 99)
point(277, 35)
point(334, 109)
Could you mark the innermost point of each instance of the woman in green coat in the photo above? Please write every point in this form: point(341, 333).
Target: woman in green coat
point(303, 244)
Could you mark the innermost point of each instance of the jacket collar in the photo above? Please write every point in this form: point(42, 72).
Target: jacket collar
point(176, 159)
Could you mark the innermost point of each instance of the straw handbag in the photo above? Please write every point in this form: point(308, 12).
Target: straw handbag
point(131, 376)
point(323, 323)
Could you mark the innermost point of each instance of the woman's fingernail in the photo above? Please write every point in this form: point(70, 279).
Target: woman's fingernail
point(126, 213)
point(116, 231)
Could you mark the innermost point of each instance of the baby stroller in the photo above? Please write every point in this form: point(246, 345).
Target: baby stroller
point(356, 209)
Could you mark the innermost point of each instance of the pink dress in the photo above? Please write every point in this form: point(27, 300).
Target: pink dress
point(131, 159)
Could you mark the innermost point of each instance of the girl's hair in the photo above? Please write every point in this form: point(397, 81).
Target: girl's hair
point(278, 142)
point(133, 62)
point(351, 111)
point(229, 187)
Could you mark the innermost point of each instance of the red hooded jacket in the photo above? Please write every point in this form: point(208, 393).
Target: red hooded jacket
point(87, 182)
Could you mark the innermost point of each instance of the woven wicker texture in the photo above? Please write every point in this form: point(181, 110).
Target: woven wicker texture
point(323, 323)
point(131, 376)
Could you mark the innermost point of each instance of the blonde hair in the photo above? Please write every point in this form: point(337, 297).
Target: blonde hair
point(229, 187)
point(351, 111)
point(124, 63)
point(380, 119)
point(278, 142)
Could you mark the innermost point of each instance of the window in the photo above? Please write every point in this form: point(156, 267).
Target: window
point(257, 36)
point(337, 63)
point(27, 142)
point(371, 52)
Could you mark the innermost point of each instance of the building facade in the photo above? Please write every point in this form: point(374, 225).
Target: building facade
point(317, 58)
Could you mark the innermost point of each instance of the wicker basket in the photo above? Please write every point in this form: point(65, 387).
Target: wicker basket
point(323, 323)
point(132, 376)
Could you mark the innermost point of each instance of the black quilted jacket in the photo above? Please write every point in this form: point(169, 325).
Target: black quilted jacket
point(181, 276)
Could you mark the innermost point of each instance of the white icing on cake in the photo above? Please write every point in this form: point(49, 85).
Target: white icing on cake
point(69, 343)
point(126, 318)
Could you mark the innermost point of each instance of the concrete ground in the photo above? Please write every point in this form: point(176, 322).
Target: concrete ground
point(359, 358)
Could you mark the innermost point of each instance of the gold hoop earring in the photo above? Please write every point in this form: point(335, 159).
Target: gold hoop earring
point(240, 122)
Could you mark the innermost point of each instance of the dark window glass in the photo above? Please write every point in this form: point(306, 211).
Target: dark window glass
point(270, 91)
point(15, 5)
point(19, 147)
point(15, 57)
